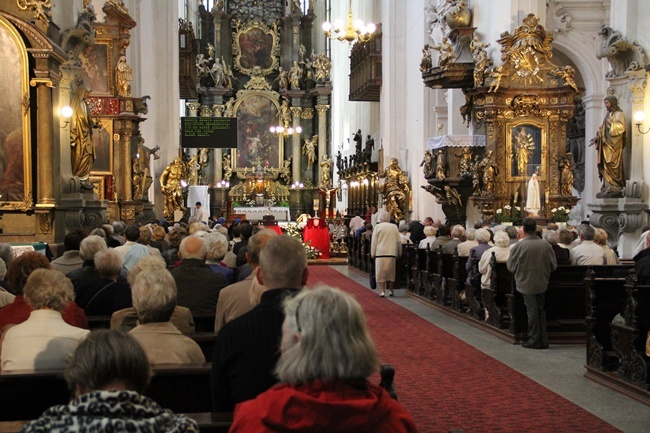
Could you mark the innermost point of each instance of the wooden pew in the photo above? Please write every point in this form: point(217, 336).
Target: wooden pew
point(411, 264)
point(456, 283)
point(445, 272)
point(26, 394)
point(476, 310)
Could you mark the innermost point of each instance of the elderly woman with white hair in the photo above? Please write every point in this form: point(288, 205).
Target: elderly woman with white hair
point(326, 358)
point(385, 249)
point(501, 251)
point(154, 300)
point(470, 242)
point(217, 245)
point(483, 238)
point(430, 237)
point(44, 340)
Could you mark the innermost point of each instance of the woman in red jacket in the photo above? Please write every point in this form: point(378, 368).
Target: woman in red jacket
point(327, 356)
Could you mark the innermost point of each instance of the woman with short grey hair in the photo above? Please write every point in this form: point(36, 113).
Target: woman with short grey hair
point(327, 356)
point(51, 341)
point(107, 293)
point(154, 300)
point(107, 374)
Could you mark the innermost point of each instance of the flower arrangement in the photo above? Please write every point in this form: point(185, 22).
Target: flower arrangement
point(295, 231)
point(560, 214)
point(507, 214)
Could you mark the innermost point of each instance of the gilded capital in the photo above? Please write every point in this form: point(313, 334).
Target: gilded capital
point(322, 109)
point(36, 81)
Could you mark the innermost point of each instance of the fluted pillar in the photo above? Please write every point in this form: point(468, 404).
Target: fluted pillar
point(217, 154)
point(295, 146)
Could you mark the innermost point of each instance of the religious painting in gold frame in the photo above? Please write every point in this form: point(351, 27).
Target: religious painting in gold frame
point(256, 45)
point(256, 113)
point(15, 136)
point(103, 143)
point(97, 68)
point(526, 150)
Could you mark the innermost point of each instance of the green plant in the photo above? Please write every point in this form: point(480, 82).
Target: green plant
point(507, 214)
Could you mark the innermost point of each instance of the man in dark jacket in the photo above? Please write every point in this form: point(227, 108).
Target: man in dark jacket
point(248, 347)
point(198, 285)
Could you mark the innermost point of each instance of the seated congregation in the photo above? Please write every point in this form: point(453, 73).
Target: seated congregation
point(236, 338)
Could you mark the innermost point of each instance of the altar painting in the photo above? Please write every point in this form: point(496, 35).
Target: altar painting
point(525, 151)
point(256, 46)
point(103, 143)
point(96, 69)
point(256, 114)
point(15, 149)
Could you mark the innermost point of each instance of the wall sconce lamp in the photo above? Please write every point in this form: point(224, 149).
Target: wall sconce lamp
point(223, 184)
point(639, 117)
point(66, 114)
point(297, 185)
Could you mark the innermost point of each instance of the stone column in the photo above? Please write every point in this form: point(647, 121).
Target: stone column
point(44, 142)
point(295, 145)
point(322, 136)
point(192, 108)
point(127, 187)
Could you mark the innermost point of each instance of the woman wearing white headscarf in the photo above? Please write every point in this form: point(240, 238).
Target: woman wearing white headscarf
point(642, 258)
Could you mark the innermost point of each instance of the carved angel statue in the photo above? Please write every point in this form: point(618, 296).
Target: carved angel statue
point(218, 5)
point(284, 114)
point(283, 79)
point(427, 162)
point(210, 49)
point(495, 75)
point(481, 59)
point(295, 75)
point(326, 170)
point(285, 170)
point(566, 73)
point(227, 167)
point(426, 62)
point(447, 54)
point(123, 77)
point(202, 65)
point(309, 149)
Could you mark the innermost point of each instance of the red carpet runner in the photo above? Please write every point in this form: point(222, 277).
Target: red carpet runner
point(447, 384)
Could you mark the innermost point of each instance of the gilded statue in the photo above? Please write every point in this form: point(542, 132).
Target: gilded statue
point(566, 73)
point(495, 75)
point(142, 179)
point(440, 165)
point(523, 145)
point(447, 54)
point(566, 175)
point(228, 109)
point(465, 161)
point(427, 163)
point(81, 137)
point(229, 77)
point(326, 171)
point(323, 66)
point(426, 62)
point(486, 172)
point(481, 59)
point(284, 114)
point(309, 149)
point(123, 77)
point(453, 198)
point(295, 75)
point(395, 190)
point(170, 184)
point(610, 141)
point(285, 170)
point(227, 167)
point(195, 165)
point(283, 79)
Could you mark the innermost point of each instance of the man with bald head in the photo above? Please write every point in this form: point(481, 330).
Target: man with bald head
point(198, 285)
point(247, 348)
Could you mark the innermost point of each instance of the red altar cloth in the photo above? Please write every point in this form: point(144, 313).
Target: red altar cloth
point(317, 232)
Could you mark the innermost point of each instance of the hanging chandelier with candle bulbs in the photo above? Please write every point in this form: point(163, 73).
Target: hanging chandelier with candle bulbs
point(352, 32)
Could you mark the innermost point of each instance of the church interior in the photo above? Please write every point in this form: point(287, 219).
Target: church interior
point(465, 111)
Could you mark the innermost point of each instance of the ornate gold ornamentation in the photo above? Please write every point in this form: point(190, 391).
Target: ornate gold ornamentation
point(44, 222)
point(322, 109)
point(36, 81)
point(42, 8)
point(28, 203)
point(253, 41)
point(128, 214)
point(307, 113)
point(257, 81)
point(25, 104)
point(535, 144)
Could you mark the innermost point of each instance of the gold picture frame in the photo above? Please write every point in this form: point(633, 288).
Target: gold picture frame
point(256, 112)
point(16, 173)
point(103, 143)
point(97, 68)
point(256, 45)
point(526, 150)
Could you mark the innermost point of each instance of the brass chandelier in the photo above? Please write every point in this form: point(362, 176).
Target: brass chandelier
point(354, 30)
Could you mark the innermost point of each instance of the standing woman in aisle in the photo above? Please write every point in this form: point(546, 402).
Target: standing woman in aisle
point(385, 248)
